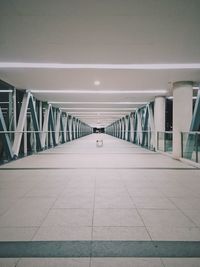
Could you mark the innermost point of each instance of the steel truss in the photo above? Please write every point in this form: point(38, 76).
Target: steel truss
point(137, 127)
point(48, 127)
point(192, 139)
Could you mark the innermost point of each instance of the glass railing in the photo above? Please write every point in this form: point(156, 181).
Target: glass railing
point(145, 139)
point(190, 146)
point(164, 141)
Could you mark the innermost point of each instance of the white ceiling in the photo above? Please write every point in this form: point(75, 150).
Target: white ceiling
point(99, 32)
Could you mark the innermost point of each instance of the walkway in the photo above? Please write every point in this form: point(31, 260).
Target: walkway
point(117, 192)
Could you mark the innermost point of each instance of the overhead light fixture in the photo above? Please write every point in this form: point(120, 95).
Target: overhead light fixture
point(161, 91)
point(98, 108)
point(97, 83)
point(196, 87)
point(171, 97)
point(98, 113)
point(98, 103)
point(6, 91)
point(31, 65)
point(102, 115)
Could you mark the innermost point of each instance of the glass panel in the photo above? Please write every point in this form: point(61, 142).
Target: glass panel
point(165, 141)
point(168, 142)
point(191, 146)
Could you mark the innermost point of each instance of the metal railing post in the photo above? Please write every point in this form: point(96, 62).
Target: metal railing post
point(182, 145)
point(196, 146)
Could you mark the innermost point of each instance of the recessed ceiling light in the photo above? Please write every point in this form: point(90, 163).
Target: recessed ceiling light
point(164, 66)
point(171, 97)
point(98, 103)
point(98, 112)
point(6, 91)
point(161, 91)
point(99, 109)
point(95, 115)
point(96, 83)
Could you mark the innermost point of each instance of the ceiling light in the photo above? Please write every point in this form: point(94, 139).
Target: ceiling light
point(98, 108)
point(6, 91)
point(98, 113)
point(171, 97)
point(102, 115)
point(196, 87)
point(97, 83)
point(99, 103)
point(31, 65)
point(99, 92)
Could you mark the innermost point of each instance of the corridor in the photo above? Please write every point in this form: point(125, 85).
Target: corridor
point(80, 192)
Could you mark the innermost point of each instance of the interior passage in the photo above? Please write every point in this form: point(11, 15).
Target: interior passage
point(117, 192)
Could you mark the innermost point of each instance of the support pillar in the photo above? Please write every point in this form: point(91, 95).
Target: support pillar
point(131, 127)
point(159, 119)
point(182, 113)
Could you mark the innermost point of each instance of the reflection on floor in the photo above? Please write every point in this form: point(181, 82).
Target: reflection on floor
point(119, 191)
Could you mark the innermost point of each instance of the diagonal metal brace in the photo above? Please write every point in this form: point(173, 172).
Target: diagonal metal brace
point(5, 137)
point(35, 123)
point(20, 126)
point(195, 124)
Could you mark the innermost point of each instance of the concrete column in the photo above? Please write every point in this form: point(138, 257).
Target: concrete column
point(159, 118)
point(116, 129)
point(120, 128)
point(123, 128)
point(126, 128)
point(131, 127)
point(139, 128)
point(71, 128)
point(182, 113)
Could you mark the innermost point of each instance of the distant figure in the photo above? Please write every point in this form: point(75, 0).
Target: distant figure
point(99, 143)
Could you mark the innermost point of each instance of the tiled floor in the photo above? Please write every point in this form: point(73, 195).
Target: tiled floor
point(117, 192)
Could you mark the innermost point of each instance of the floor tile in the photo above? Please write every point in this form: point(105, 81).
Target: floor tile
point(174, 233)
point(187, 203)
point(120, 233)
point(63, 233)
point(144, 192)
point(8, 262)
point(77, 202)
point(169, 218)
point(113, 202)
point(126, 262)
point(17, 233)
point(117, 217)
point(152, 203)
point(23, 217)
point(6, 203)
point(54, 262)
point(45, 192)
point(181, 262)
point(69, 217)
point(194, 215)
